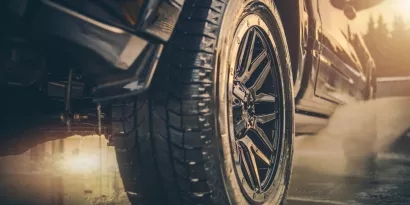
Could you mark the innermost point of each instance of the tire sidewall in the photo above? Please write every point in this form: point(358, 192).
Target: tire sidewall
point(234, 12)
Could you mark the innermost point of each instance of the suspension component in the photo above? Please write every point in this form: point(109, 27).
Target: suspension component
point(67, 117)
point(76, 122)
point(99, 118)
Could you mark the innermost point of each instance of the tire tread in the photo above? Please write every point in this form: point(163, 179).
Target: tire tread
point(168, 159)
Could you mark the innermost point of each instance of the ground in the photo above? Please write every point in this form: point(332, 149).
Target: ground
point(389, 185)
point(317, 179)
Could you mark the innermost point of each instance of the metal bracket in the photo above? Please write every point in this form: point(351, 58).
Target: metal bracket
point(99, 118)
point(67, 117)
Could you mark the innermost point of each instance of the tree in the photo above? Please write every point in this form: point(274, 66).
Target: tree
point(371, 27)
point(382, 32)
point(370, 36)
point(399, 35)
point(399, 47)
point(377, 38)
point(389, 49)
point(399, 27)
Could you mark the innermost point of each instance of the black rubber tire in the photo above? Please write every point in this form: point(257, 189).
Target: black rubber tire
point(169, 142)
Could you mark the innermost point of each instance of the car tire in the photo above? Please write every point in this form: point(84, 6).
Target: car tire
point(217, 125)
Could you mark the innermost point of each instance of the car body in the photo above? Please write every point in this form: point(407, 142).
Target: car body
point(62, 58)
point(333, 73)
point(326, 65)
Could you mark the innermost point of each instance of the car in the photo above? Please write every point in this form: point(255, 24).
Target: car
point(201, 99)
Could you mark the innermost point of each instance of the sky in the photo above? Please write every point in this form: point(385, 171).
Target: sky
point(389, 8)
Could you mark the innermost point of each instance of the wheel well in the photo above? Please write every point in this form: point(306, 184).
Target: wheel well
point(290, 16)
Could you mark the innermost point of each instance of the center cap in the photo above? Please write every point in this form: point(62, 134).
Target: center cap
point(249, 111)
point(245, 97)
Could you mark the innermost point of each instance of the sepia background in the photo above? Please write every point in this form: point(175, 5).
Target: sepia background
point(77, 170)
point(83, 170)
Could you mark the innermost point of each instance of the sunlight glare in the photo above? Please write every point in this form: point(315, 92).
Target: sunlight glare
point(403, 9)
point(80, 163)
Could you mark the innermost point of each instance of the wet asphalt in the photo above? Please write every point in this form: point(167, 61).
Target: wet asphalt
point(316, 180)
point(389, 184)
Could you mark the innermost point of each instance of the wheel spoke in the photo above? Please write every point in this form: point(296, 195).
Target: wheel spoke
point(247, 166)
point(265, 118)
point(262, 156)
point(244, 49)
point(239, 92)
point(264, 138)
point(261, 78)
point(254, 168)
point(253, 66)
point(262, 97)
point(251, 162)
point(251, 146)
point(240, 126)
point(258, 60)
point(250, 53)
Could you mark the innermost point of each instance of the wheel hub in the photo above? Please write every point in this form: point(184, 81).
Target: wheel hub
point(247, 106)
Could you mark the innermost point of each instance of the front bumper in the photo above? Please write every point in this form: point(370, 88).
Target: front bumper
point(121, 59)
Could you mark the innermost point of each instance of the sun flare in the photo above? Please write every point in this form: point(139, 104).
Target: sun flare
point(402, 7)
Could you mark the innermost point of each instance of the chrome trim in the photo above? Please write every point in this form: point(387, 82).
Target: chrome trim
point(338, 63)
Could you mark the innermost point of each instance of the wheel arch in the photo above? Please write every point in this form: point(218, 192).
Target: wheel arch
point(290, 12)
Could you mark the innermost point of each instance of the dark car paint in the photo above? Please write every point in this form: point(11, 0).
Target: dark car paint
point(337, 75)
point(341, 77)
point(333, 74)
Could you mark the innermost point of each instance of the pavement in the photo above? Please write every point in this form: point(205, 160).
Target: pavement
point(318, 179)
point(319, 184)
point(319, 176)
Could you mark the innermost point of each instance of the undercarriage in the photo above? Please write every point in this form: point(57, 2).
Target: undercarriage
point(38, 113)
point(63, 63)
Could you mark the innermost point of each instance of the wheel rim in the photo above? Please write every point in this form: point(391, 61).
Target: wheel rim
point(256, 110)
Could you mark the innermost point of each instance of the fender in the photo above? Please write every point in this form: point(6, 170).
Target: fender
point(116, 48)
point(298, 17)
point(310, 49)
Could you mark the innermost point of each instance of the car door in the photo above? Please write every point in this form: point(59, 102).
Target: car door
point(362, 54)
point(339, 76)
